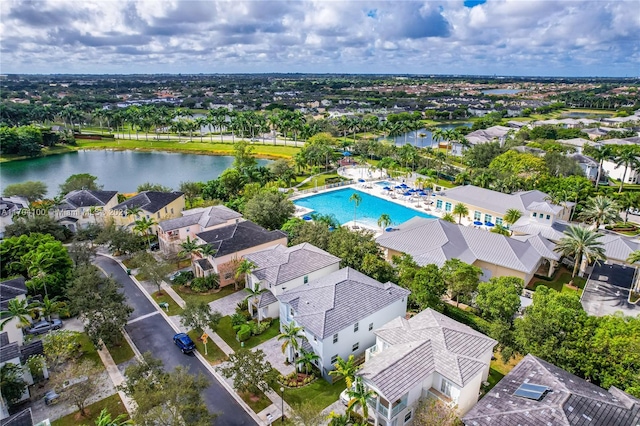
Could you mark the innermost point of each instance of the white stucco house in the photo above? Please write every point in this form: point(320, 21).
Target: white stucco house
point(339, 312)
point(427, 356)
point(281, 268)
point(9, 207)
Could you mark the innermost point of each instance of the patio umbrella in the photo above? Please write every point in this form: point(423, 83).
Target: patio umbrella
point(386, 188)
point(389, 229)
point(422, 193)
point(477, 223)
point(407, 193)
point(397, 187)
point(489, 224)
point(361, 180)
point(346, 154)
point(307, 218)
point(404, 185)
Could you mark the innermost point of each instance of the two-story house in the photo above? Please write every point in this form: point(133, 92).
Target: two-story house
point(428, 355)
point(9, 207)
point(281, 268)
point(339, 312)
point(173, 232)
point(231, 243)
point(78, 208)
point(154, 205)
point(14, 288)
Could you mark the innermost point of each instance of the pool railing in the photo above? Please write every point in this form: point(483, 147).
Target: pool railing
point(322, 188)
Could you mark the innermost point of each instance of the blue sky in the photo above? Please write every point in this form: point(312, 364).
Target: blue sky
point(504, 37)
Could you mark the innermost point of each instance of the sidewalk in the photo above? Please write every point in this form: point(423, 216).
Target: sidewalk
point(116, 377)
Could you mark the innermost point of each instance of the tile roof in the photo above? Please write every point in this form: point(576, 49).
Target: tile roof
point(487, 135)
point(22, 418)
point(150, 201)
point(280, 264)
point(553, 232)
point(10, 289)
point(204, 264)
point(35, 347)
point(239, 236)
point(329, 304)
point(617, 247)
point(9, 352)
point(428, 342)
point(206, 217)
point(571, 401)
point(86, 198)
point(436, 241)
point(266, 298)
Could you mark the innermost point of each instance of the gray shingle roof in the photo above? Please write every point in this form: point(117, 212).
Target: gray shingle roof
point(617, 247)
point(35, 347)
point(86, 198)
point(204, 264)
point(11, 289)
point(571, 402)
point(23, 418)
point(280, 264)
point(428, 342)
point(266, 298)
point(329, 304)
point(206, 217)
point(239, 236)
point(9, 352)
point(436, 241)
point(150, 201)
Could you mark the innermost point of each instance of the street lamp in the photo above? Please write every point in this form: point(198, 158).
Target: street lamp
point(282, 403)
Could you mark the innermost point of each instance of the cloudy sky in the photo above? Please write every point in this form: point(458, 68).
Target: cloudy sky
point(504, 37)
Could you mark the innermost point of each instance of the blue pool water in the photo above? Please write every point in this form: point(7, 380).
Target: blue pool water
point(383, 183)
point(337, 203)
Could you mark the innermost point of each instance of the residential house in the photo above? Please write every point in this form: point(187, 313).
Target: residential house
point(10, 206)
point(489, 206)
point(281, 268)
point(491, 134)
point(631, 174)
point(434, 241)
point(577, 143)
point(588, 165)
point(537, 393)
point(81, 207)
point(154, 205)
point(14, 288)
point(427, 356)
point(339, 312)
point(173, 232)
point(231, 243)
point(618, 248)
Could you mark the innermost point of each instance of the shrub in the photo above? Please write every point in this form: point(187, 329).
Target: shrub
point(202, 284)
point(244, 332)
point(257, 329)
point(238, 319)
point(183, 277)
point(242, 306)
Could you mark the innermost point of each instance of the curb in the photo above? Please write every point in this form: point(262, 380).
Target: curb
point(198, 355)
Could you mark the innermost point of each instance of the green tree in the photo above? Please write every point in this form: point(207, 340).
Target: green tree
point(120, 241)
point(11, 382)
point(511, 216)
point(191, 191)
point(346, 369)
point(359, 395)
point(143, 226)
point(49, 307)
point(501, 230)
point(580, 242)
point(352, 247)
point(600, 154)
point(198, 314)
point(627, 156)
point(244, 158)
point(626, 201)
point(448, 217)
point(291, 338)
point(307, 359)
point(61, 346)
point(460, 209)
point(148, 186)
point(384, 221)
point(105, 419)
point(250, 370)
point(85, 378)
point(481, 155)
point(634, 257)
point(254, 294)
point(432, 411)
point(244, 269)
point(31, 190)
point(269, 209)
point(301, 231)
point(499, 298)
point(39, 224)
point(20, 309)
point(460, 277)
point(601, 210)
point(428, 287)
point(356, 200)
point(153, 271)
point(79, 181)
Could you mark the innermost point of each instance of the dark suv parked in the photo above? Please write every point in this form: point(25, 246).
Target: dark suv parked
point(184, 342)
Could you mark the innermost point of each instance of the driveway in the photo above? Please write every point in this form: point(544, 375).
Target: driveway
point(150, 332)
point(607, 291)
point(273, 350)
point(227, 305)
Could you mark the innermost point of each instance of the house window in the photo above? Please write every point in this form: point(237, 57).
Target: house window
point(171, 210)
point(166, 210)
point(291, 312)
point(356, 326)
point(445, 387)
point(228, 275)
point(535, 214)
point(477, 215)
point(147, 216)
point(306, 279)
point(447, 207)
point(355, 346)
point(370, 326)
point(335, 338)
point(439, 204)
point(407, 416)
point(315, 339)
point(334, 359)
point(548, 216)
point(487, 218)
point(498, 221)
point(158, 215)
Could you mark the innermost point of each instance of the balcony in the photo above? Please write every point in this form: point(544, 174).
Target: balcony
point(396, 409)
point(371, 352)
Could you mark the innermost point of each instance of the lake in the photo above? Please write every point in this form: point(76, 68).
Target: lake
point(117, 170)
point(423, 138)
point(502, 91)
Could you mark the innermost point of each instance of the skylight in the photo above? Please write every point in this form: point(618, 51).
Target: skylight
point(531, 391)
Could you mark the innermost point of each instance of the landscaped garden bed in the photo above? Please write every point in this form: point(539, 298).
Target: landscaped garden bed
point(296, 380)
point(624, 228)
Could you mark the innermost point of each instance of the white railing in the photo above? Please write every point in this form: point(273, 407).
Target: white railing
point(322, 188)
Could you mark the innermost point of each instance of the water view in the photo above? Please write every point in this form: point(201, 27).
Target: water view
point(118, 170)
point(423, 138)
point(337, 203)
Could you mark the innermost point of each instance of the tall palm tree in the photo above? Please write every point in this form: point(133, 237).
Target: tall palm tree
point(49, 307)
point(629, 157)
point(384, 220)
point(448, 217)
point(291, 337)
point(499, 229)
point(601, 210)
point(254, 293)
point(578, 242)
point(634, 257)
point(20, 309)
point(359, 395)
point(206, 250)
point(143, 226)
point(511, 216)
point(307, 360)
point(356, 200)
point(188, 247)
point(460, 209)
point(346, 369)
point(244, 268)
point(605, 152)
point(627, 200)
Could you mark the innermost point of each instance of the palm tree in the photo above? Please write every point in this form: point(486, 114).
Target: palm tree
point(49, 307)
point(104, 419)
point(346, 369)
point(254, 293)
point(20, 309)
point(627, 200)
point(384, 220)
point(634, 257)
point(605, 152)
point(245, 267)
point(460, 209)
point(134, 211)
point(291, 336)
point(356, 199)
point(511, 216)
point(188, 247)
point(448, 217)
point(359, 395)
point(143, 226)
point(601, 210)
point(499, 229)
point(629, 157)
point(206, 250)
point(307, 359)
point(578, 242)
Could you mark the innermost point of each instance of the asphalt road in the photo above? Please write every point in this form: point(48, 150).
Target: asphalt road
point(154, 334)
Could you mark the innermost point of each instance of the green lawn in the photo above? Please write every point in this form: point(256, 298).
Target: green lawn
point(89, 351)
point(560, 283)
point(320, 393)
point(188, 295)
point(122, 353)
point(112, 403)
point(256, 402)
point(321, 180)
point(228, 334)
point(214, 355)
point(174, 309)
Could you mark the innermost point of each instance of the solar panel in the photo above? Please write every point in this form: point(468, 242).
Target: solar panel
point(531, 391)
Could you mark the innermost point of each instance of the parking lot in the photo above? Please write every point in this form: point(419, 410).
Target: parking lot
point(607, 291)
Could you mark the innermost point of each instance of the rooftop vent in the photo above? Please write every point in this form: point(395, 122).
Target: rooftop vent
point(532, 391)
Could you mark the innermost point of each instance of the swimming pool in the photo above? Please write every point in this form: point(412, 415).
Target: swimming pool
point(384, 183)
point(337, 203)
